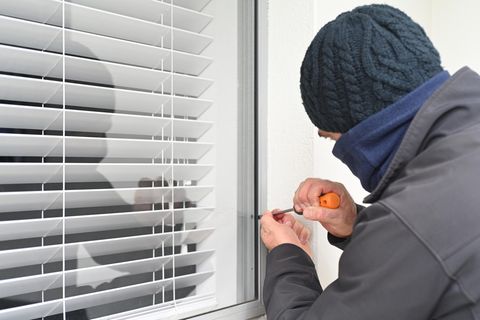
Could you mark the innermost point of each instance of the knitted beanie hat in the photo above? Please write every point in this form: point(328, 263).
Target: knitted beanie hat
point(362, 62)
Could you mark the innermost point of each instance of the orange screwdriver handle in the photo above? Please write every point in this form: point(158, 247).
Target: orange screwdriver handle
point(330, 200)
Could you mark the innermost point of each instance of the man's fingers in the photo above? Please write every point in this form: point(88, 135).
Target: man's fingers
point(320, 214)
point(287, 219)
point(302, 232)
point(277, 216)
point(302, 198)
point(267, 219)
point(297, 227)
point(296, 201)
point(314, 194)
point(311, 189)
point(304, 235)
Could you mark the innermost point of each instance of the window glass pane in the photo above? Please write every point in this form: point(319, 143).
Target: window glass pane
point(127, 156)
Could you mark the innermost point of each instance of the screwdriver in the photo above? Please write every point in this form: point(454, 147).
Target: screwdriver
point(328, 200)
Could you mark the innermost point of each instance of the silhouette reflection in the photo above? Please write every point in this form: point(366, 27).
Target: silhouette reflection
point(146, 194)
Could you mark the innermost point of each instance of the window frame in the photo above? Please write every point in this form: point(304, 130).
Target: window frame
point(252, 40)
point(257, 60)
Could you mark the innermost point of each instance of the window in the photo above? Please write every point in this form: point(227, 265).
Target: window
point(127, 185)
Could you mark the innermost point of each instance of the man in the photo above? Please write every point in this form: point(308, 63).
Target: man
point(372, 80)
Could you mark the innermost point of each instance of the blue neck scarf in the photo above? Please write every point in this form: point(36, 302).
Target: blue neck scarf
point(368, 148)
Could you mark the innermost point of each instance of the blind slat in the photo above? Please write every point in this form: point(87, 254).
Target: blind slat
point(119, 294)
point(30, 90)
point(32, 311)
point(133, 172)
point(115, 74)
point(30, 145)
point(153, 11)
point(192, 258)
point(94, 276)
point(89, 96)
point(122, 27)
point(112, 221)
point(189, 215)
point(17, 286)
point(113, 25)
point(26, 201)
point(24, 117)
point(190, 128)
point(132, 53)
point(100, 147)
point(29, 256)
point(190, 150)
point(107, 296)
point(114, 197)
point(20, 229)
point(189, 237)
point(196, 5)
point(40, 36)
point(81, 250)
point(192, 280)
point(88, 249)
point(31, 62)
point(30, 34)
point(43, 11)
point(23, 173)
point(185, 106)
point(31, 228)
point(38, 145)
point(107, 73)
point(188, 85)
point(113, 123)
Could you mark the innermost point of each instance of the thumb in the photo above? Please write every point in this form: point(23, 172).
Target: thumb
point(267, 219)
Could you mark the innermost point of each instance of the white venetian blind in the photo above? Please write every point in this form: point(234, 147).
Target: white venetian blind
point(101, 151)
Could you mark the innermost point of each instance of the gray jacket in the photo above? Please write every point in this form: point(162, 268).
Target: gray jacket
point(415, 252)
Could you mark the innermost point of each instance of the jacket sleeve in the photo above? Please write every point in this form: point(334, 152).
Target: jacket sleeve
point(341, 243)
point(386, 272)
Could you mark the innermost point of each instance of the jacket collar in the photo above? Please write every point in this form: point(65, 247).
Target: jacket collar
point(368, 148)
point(419, 132)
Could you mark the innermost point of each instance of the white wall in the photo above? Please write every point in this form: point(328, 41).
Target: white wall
point(289, 136)
point(455, 27)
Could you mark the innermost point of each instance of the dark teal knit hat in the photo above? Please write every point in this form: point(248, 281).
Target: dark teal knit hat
point(361, 62)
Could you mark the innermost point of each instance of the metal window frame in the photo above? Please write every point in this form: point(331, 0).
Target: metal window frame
point(254, 26)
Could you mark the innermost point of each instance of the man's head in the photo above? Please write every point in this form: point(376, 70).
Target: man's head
point(362, 62)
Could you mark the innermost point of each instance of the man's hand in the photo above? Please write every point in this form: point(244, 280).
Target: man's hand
point(284, 228)
point(339, 222)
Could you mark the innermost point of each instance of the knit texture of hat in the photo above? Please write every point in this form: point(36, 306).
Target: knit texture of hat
point(361, 62)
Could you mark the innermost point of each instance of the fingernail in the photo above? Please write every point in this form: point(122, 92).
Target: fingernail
point(288, 223)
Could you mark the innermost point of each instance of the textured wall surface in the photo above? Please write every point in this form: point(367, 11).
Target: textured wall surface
point(289, 141)
point(455, 26)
